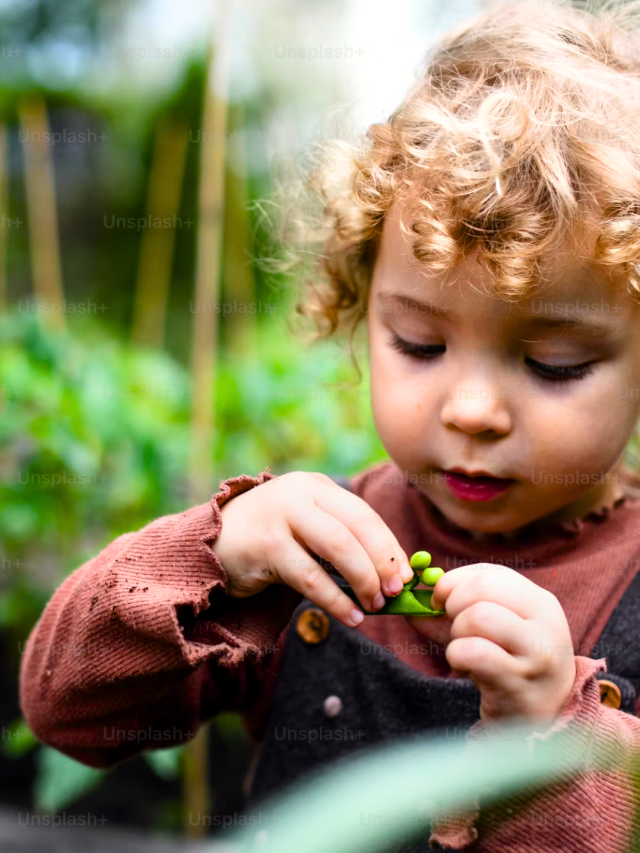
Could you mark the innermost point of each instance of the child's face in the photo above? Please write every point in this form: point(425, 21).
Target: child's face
point(478, 403)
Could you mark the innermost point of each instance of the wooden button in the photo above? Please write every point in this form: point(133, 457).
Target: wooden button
point(313, 625)
point(610, 693)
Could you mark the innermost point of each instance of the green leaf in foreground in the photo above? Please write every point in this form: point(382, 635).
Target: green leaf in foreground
point(61, 780)
point(403, 784)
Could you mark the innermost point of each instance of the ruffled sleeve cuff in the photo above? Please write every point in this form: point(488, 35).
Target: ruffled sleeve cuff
point(243, 628)
point(457, 831)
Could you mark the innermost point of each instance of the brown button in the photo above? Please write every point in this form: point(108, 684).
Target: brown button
point(610, 693)
point(313, 625)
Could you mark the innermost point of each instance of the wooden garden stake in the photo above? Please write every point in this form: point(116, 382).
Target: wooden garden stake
point(156, 246)
point(204, 348)
point(41, 206)
point(4, 216)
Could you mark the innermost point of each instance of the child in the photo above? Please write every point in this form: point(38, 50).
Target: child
point(490, 235)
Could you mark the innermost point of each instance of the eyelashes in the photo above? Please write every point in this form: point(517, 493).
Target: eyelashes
point(418, 350)
point(546, 372)
point(555, 373)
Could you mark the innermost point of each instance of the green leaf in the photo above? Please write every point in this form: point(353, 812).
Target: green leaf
point(17, 739)
point(165, 762)
point(389, 793)
point(61, 780)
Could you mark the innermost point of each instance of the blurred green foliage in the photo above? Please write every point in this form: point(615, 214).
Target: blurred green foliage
point(94, 432)
point(94, 435)
point(390, 793)
point(61, 780)
point(94, 441)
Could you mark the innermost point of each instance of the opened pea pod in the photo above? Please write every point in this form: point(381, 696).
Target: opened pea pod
point(409, 601)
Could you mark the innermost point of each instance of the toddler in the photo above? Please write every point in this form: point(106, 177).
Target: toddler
point(489, 237)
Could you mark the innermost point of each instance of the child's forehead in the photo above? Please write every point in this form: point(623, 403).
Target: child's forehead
point(569, 273)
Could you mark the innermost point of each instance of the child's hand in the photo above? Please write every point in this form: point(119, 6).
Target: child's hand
point(269, 532)
point(509, 635)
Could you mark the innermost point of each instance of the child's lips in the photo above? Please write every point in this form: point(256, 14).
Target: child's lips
point(475, 488)
point(475, 475)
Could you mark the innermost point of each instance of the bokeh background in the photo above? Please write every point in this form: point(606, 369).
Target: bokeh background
point(145, 352)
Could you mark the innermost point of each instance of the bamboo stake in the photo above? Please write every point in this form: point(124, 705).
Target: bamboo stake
point(41, 206)
point(204, 348)
point(156, 247)
point(239, 279)
point(4, 217)
point(209, 244)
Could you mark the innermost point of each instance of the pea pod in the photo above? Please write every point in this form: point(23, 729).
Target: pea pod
point(409, 601)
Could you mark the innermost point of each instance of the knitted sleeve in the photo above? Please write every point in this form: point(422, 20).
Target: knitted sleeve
point(590, 812)
point(140, 645)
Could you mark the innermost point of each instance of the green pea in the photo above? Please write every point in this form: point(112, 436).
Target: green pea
point(430, 577)
point(420, 560)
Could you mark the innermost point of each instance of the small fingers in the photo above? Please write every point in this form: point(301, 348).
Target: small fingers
point(460, 588)
point(367, 526)
point(366, 529)
point(331, 540)
point(495, 623)
point(299, 570)
point(489, 664)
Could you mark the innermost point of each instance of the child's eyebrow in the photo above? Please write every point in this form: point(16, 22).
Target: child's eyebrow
point(564, 316)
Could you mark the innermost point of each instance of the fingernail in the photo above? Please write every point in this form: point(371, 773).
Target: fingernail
point(377, 601)
point(395, 584)
point(356, 617)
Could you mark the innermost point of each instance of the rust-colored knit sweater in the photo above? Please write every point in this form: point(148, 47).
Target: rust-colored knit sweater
point(139, 645)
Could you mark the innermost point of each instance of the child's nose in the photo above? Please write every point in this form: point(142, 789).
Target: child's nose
point(478, 406)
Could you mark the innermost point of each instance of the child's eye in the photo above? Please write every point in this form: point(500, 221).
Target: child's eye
point(420, 351)
point(556, 373)
point(546, 372)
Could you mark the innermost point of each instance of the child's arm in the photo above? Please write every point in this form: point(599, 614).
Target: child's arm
point(512, 637)
point(591, 811)
point(133, 652)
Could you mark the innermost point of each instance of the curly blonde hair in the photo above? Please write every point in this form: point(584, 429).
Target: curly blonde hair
point(524, 126)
